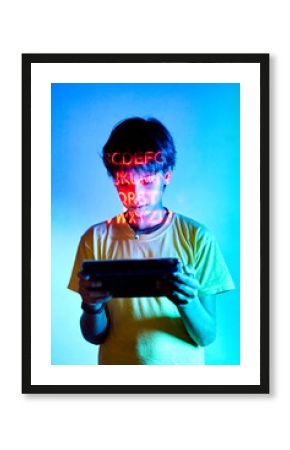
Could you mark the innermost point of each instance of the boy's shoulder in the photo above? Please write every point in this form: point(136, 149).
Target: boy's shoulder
point(98, 228)
point(192, 226)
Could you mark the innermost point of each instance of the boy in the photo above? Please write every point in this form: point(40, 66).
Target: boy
point(173, 329)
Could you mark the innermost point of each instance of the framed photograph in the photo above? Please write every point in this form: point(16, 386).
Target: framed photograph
point(145, 223)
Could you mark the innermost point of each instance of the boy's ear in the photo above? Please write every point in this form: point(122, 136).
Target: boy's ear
point(167, 177)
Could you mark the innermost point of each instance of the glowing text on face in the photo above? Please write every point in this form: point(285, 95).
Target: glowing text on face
point(138, 218)
point(135, 159)
point(123, 178)
point(137, 190)
point(130, 198)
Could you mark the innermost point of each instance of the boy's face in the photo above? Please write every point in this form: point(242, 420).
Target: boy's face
point(141, 192)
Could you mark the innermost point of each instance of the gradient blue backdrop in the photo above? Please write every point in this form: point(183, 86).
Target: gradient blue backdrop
point(204, 120)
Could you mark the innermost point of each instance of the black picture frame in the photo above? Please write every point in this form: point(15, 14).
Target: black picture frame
point(263, 61)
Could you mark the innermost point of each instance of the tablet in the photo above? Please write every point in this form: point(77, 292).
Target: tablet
point(130, 277)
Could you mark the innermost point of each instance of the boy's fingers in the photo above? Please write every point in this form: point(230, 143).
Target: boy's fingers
point(184, 289)
point(92, 293)
point(93, 284)
point(189, 269)
point(89, 284)
point(91, 297)
point(185, 279)
point(174, 287)
point(83, 277)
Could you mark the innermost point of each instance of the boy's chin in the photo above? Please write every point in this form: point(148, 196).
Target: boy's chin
point(142, 209)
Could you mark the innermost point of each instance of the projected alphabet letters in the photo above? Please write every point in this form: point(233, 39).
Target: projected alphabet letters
point(136, 159)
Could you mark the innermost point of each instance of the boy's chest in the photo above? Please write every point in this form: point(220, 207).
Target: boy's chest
point(165, 246)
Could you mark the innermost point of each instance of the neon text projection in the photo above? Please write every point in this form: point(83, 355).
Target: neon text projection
point(136, 159)
point(139, 191)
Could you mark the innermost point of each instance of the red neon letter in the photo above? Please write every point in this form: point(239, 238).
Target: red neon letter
point(132, 218)
point(121, 178)
point(138, 159)
point(114, 158)
point(123, 197)
point(131, 198)
point(121, 218)
point(128, 161)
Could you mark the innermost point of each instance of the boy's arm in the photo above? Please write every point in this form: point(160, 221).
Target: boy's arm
point(198, 313)
point(94, 321)
point(199, 318)
point(94, 327)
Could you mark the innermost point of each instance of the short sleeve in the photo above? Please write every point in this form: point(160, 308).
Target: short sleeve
point(85, 251)
point(211, 269)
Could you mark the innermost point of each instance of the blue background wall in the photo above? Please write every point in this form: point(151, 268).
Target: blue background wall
point(204, 120)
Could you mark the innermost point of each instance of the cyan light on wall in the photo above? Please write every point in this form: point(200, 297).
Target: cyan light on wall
point(204, 120)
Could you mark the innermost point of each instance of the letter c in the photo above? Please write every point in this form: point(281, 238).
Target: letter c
point(114, 161)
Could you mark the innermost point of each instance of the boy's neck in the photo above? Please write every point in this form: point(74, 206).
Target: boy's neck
point(138, 220)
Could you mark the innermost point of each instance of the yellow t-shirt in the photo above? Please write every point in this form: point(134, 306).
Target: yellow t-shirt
point(149, 330)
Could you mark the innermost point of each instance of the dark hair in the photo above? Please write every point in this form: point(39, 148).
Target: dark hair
point(137, 136)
